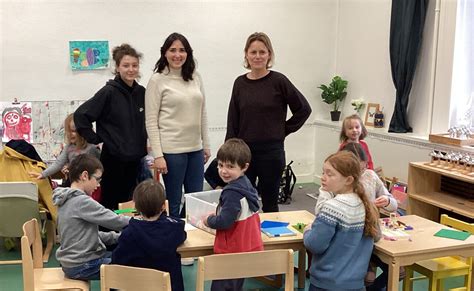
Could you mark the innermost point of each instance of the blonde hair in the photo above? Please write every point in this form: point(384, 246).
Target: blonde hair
point(81, 143)
point(259, 36)
point(343, 137)
point(347, 164)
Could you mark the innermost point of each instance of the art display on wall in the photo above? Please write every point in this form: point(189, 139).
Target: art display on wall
point(40, 123)
point(89, 55)
point(16, 121)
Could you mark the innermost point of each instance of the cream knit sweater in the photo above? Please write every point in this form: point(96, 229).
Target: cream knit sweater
point(175, 113)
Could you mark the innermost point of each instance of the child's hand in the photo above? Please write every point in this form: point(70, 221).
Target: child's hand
point(204, 220)
point(65, 170)
point(381, 201)
point(35, 175)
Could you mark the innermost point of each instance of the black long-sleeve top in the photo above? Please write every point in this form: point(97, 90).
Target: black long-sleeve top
point(119, 113)
point(258, 108)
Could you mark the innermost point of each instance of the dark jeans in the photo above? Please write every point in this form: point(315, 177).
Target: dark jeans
point(89, 270)
point(227, 285)
point(267, 164)
point(118, 179)
point(183, 169)
point(314, 288)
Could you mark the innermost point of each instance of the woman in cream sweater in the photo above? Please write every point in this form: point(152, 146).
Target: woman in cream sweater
point(176, 120)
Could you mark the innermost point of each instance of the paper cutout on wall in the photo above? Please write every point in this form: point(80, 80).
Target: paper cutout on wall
point(16, 121)
point(89, 55)
point(46, 124)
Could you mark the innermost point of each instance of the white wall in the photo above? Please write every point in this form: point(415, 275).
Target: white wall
point(36, 34)
point(313, 41)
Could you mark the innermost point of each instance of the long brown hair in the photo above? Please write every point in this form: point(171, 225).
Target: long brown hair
point(81, 143)
point(347, 164)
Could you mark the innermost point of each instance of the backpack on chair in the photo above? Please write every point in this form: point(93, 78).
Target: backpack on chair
point(287, 184)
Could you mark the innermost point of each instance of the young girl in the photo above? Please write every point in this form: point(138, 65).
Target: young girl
point(353, 130)
point(341, 237)
point(75, 145)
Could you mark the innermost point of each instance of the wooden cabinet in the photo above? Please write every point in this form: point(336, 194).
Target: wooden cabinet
point(426, 198)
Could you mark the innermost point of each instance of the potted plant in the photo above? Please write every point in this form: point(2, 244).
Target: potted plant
point(334, 93)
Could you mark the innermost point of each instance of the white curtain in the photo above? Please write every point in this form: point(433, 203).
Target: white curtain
point(462, 91)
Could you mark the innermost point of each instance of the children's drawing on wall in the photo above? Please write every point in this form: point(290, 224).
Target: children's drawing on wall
point(16, 121)
point(89, 55)
point(48, 130)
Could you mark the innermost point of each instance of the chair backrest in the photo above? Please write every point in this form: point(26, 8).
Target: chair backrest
point(457, 224)
point(18, 204)
point(133, 279)
point(244, 265)
point(31, 252)
point(131, 204)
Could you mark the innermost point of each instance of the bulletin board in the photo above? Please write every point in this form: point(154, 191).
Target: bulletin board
point(47, 126)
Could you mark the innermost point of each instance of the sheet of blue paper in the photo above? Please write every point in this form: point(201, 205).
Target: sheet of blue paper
point(270, 223)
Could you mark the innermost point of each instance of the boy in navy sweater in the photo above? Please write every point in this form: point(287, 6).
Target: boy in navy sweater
point(237, 221)
point(152, 241)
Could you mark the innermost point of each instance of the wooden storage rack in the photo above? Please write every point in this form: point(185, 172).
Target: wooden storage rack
point(425, 195)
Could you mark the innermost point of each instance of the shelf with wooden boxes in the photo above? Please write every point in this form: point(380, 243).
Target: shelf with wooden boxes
point(432, 190)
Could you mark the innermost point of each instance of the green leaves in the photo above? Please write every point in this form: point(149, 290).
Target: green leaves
point(335, 92)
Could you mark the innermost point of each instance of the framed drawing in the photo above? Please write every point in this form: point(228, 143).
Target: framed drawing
point(372, 108)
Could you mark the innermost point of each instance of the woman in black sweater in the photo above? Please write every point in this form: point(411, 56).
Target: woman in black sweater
point(257, 114)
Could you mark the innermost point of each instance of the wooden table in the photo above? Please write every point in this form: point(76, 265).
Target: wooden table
point(423, 245)
point(201, 243)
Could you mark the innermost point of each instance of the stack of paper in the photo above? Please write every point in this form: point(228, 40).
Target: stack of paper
point(276, 228)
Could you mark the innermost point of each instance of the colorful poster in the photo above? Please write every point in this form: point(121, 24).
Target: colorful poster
point(89, 55)
point(16, 121)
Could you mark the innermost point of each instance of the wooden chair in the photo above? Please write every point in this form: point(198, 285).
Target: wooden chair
point(19, 204)
point(35, 277)
point(133, 279)
point(245, 265)
point(131, 205)
point(438, 269)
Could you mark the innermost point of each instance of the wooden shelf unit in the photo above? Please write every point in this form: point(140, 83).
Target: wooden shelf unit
point(425, 197)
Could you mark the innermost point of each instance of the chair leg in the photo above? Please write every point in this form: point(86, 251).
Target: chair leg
point(441, 285)
point(50, 235)
point(407, 281)
point(433, 284)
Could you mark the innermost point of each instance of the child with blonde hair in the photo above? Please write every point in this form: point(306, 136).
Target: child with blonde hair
point(75, 145)
point(342, 236)
point(353, 130)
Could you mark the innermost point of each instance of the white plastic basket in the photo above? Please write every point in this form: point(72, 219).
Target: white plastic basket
point(199, 205)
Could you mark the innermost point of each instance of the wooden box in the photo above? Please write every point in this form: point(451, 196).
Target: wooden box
point(444, 138)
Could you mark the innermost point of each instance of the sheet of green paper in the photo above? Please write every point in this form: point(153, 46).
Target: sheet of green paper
point(454, 234)
point(127, 210)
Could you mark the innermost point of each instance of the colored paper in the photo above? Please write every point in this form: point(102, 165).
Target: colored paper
point(278, 231)
point(270, 223)
point(453, 234)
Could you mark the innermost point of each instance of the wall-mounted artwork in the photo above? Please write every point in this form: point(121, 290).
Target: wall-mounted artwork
point(89, 55)
point(16, 121)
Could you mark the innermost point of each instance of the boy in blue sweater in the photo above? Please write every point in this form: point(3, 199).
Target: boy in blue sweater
point(151, 242)
point(342, 236)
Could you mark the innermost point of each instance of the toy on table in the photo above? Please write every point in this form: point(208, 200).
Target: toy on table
point(394, 229)
point(299, 226)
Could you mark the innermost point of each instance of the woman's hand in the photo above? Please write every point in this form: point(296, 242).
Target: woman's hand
point(160, 165)
point(35, 175)
point(207, 155)
point(381, 201)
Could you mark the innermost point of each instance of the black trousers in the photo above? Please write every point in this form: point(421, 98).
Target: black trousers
point(118, 180)
point(267, 164)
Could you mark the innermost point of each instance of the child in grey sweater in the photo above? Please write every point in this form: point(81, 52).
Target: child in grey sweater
point(82, 248)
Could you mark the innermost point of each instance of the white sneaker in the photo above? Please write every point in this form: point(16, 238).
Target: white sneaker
point(187, 261)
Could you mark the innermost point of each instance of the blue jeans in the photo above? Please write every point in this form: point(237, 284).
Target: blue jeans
point(88, 271)
point(183, 169)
